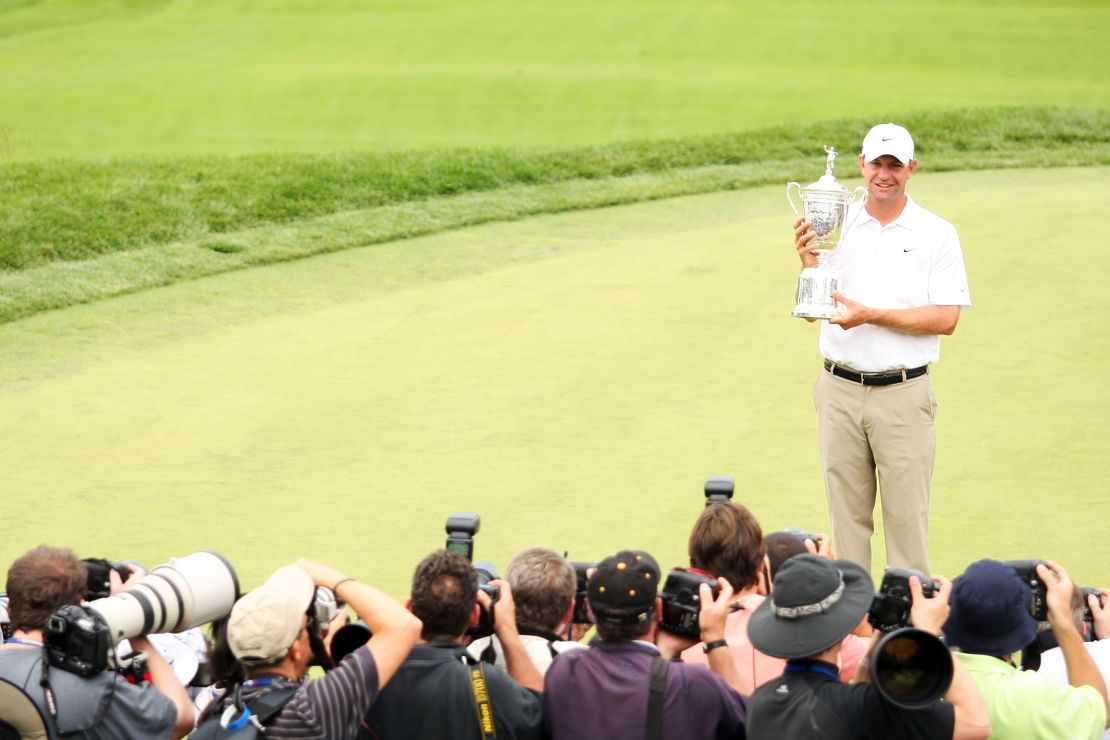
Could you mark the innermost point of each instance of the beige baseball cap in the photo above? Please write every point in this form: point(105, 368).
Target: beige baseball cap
point(266, 622)
point(888, 138)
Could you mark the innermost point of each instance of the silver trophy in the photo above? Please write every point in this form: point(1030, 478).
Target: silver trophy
point(825, 205)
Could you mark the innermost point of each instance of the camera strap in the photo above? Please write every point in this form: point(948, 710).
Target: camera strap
point(482, 706)
point(655, 697)
point(551, 637)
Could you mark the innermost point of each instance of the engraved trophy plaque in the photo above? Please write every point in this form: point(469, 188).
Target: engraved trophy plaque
point(825, 205)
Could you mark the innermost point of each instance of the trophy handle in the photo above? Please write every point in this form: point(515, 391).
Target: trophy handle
point(790, 200)
point(861, 191)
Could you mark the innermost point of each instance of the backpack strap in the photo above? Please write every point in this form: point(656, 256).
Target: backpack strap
point(655, 698)
point(269, 704)
point(258, 711)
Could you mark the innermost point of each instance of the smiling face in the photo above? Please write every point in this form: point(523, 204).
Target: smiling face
point(885, 178)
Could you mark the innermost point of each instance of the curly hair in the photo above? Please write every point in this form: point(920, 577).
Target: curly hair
point(42, 581)
point(444, 591)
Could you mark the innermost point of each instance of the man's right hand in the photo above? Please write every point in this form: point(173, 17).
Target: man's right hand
point(1059, 590)
point(1101, 614)
point(930, 614)
point(803, 238)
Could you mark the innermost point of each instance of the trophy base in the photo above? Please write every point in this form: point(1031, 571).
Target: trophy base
point(816, 286)
point(815, 312)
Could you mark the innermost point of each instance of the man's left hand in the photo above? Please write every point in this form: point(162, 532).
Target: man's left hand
point(853, 313)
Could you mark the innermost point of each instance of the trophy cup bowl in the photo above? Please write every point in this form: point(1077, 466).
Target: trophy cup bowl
point(825, 205)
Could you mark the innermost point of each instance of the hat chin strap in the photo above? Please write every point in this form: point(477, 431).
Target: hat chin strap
point(805, 610)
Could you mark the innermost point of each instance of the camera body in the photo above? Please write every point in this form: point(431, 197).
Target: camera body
point(890, 609)
point(77, 640)
point(682, 600)
point(486, 571)
point(1027, 571)
point(1088, 615)
point(719, 490)
point(799, 532)
point(581, 594)
point(97, 585)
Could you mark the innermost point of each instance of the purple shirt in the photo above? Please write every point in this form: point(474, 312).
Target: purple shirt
point(603, 693)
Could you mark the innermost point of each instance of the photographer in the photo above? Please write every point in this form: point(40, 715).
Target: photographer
point(625, 684)
point(543, 585)
point(814, 604)
point(1053, 664)
point(103, 705)
point(268, 632)
point(991, 620)
point(727, 541)
point(440, 691)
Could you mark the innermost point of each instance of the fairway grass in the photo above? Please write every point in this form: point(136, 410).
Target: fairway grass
point(76, 231)
point(572, 377)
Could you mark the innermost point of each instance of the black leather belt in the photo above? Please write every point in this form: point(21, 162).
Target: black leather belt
point(890, 378)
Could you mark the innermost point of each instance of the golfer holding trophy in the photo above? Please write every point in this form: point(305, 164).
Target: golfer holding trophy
point(887, 278)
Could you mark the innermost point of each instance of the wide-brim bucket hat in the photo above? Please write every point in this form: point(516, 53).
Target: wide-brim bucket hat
point(814, 604)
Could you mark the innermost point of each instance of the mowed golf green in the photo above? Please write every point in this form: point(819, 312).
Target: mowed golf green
point(99, 78)
point(573, 378)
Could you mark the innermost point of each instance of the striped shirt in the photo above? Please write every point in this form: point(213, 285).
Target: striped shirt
point(329, 707)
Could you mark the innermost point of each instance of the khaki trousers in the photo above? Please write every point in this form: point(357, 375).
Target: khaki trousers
point(886, 432)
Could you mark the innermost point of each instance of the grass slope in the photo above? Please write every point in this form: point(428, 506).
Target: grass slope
point(76, 231)
point(573, 377)
point(106, 78)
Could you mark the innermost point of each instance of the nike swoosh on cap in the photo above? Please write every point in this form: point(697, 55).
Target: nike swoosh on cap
point(892, 138)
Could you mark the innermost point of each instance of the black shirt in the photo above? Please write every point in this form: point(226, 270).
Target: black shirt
point(431, 696)
point(809, 701)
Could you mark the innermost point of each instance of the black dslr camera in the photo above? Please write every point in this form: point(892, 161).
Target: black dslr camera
point(719, 490)
point(97, 585)
point(682, 600)
point(581, 594)
point(77, 641)
point(1088, 615)
point(890, 609)
point(461, 528)
point(1027, 571)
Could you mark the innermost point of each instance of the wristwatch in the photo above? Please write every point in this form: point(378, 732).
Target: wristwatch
point(714, 645)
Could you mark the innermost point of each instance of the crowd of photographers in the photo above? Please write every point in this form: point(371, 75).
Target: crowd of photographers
point(758, 637)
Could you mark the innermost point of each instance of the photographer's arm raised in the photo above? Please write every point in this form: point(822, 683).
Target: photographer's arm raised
point(162, 677)
point(1082, 670)
point(394, 630)
point(517, 661)
point(167, 683)
point(971, 719)
point(711, 620)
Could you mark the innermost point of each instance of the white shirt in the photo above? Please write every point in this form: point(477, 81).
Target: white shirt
point(538, 649)
point(1053, 666)
point(913, 261)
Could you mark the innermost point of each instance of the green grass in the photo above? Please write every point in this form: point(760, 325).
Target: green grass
point(106, 78)
point(573, 377)
point(76, 231)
